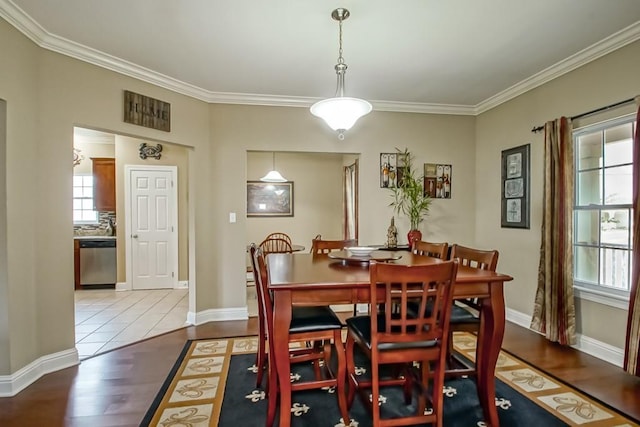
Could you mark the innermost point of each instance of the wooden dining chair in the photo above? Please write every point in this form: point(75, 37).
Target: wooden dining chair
point(320, 246)
point(435, 250)
point(279, 235)
point(308, 325)
point(391, 336)
point(275, 245)
point(465, 313)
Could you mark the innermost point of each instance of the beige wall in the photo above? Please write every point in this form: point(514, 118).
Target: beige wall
point(317, 186)
point(607, 80)
point(19, 324)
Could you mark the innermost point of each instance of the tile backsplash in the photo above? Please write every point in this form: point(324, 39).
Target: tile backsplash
point(99, 229)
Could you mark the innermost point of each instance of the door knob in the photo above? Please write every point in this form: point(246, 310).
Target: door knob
point(135, 236)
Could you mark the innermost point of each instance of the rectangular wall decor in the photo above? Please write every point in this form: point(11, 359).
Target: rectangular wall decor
point(148, 112)
point(515, 187)
point(437, 181)
point(392, 169)
point(269, 198)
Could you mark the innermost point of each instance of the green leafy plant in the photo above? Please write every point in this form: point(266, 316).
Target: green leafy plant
point(408, 196)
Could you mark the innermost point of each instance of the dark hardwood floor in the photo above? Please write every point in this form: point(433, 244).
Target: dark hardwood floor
point(117, 388)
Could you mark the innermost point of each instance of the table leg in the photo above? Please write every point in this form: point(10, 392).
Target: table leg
point(489, 344)
point(281, 322)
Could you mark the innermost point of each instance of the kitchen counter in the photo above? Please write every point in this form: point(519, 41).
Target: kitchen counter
point(94, 237)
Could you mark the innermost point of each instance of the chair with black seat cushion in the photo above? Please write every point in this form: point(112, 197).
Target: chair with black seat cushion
point(276, 245)
point(308, 324)
point(465, 313)
point(261, 356)
point(321, 246)
point(390, 335)
point(435, 250)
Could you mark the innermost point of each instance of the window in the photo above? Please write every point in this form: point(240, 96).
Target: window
point(602, 207)
point(83, 212)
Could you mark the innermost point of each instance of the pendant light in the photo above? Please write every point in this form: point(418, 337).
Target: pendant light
point(340, 112)
point(273, 175)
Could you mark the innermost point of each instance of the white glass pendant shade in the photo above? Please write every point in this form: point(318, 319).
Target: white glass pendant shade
point(341, 113)
point(273, 176)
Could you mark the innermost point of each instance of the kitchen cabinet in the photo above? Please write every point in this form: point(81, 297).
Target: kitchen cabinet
point(104, 184)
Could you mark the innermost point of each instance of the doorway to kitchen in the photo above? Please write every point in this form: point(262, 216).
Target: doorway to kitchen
point(109, 318)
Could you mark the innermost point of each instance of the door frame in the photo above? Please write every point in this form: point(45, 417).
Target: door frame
point(128, 169)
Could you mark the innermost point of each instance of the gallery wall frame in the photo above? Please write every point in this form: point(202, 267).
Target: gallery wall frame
point(269, 199)
point(515, 187)
point(392, 169)
point(437, 180)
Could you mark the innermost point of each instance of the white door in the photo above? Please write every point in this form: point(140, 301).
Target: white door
point(152, 227)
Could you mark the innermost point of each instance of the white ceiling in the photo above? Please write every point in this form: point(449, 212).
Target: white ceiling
point(456, 56)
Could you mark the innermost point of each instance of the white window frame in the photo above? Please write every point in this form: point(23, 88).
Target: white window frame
point(589, 291)
point(85, 198)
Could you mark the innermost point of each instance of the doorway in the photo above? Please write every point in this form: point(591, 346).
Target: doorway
point(325, 201)
point(108, 318)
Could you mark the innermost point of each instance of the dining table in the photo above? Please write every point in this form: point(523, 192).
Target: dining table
point(318, 279)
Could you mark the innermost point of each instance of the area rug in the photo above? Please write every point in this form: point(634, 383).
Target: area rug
point(213, 384)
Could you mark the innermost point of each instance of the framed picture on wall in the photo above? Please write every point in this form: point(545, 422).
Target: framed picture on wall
point(269, 198)
point(437, 180)
point(388, 170)
point(515, 187)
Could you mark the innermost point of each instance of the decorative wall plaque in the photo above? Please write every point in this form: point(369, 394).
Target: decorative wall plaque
point(150, 151)
point(149, 112)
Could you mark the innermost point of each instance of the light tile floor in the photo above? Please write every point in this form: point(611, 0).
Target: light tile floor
point(106, 319)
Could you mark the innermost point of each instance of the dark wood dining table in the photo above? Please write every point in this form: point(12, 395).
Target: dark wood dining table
point(312, 280)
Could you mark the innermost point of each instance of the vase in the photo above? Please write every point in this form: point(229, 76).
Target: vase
point(414, 235)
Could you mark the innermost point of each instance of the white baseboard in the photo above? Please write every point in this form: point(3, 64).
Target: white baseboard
point(182, 284)
point(123, 286)
point(218, 315)
point(588, 345)
point(601, 350)
point(10, 385)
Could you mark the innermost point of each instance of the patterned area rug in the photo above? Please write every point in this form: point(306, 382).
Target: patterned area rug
point(213, 383)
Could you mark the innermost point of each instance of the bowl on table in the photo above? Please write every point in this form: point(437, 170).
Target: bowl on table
point(361, 251)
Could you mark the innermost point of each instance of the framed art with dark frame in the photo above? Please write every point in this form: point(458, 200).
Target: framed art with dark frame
point(266, 199)
point(515, 187)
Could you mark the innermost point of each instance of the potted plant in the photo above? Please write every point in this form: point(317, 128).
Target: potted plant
point(409, 197)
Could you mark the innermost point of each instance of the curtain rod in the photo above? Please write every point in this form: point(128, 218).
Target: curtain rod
point(588, 113)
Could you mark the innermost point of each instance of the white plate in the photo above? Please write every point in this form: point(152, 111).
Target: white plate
point(360, 250)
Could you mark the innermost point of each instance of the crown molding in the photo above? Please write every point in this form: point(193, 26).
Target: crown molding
point(30, 28)
point(593, 52)
point(424, 108)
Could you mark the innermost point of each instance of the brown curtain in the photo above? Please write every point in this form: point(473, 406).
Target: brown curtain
point(632, 347)
point(554, 310)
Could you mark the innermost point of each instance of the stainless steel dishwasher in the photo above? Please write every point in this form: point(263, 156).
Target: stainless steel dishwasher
point(98, 261)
